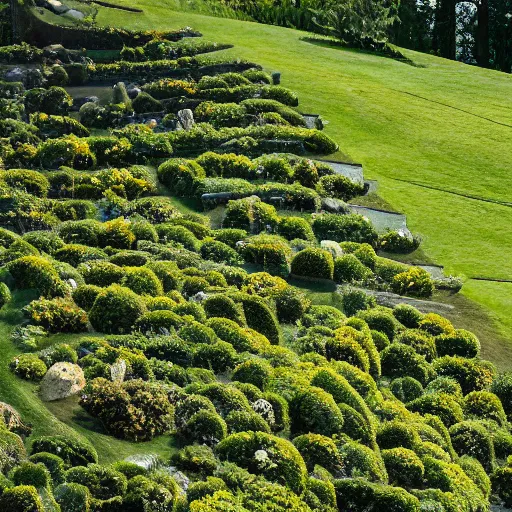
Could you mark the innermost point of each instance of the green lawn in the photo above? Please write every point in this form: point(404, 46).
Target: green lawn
point(442, 124)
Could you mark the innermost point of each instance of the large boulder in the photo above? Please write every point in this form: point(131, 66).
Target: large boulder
point(62, 380)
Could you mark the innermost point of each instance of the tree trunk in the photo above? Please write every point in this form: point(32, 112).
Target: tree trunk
point(482, 34)
point(445, 28)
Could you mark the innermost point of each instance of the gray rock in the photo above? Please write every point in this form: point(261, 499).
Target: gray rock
point(73, 13)
point(332, 205)
point(58, 52)
point(14, 75)
point(133, 91)
point(80, 101)
point(186, 118)
point(62, 380)
point(30, 78)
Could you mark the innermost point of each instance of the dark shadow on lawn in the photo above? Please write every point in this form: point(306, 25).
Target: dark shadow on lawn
point(325, 42)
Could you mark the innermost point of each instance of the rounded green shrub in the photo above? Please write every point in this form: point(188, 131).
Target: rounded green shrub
point(205, 427)
point(103, 482)
point(188, 406)
point(222, 306)
point(420, 341)
point(179, 175)
point(295, 227)
point(339, 186)
point(348, 269)
point(28, 366)
point(143, 103)
point(400, 360)
point(354, 300)
point(85, 295)
point(502, 484)
point(471, 374)
point(416, 282)
point(435, 324)
point(326, 316)
point(344, 347)
point(380, 340)
point(37, 272)
point(218, 356)
point(320, 450)
point(361, 461)
point(53, 463)
point(404, 467)
point(407, 315)
point(341, 228)
point(135, 409)
point(406, 389)
point(476, 472)
point(280, 409)
point(397, 434)
point(484, 405)
point(380, 320)
point(264, 454)
point(441, 405)
point(22, 498)
point(314, 410)
point(115, 310)
point(502, 388)
point(31, 473)
point(101, 273)
point(71, 451)
point(254, 371)
point(57, 315)
point(73, 497)
point(458, 343)
point(159, 322)
point(445, 385)
point(244, 421)
point(291, 305)
point(225, 398)
point(195, 332)
point(313, 263)
point(208, 487)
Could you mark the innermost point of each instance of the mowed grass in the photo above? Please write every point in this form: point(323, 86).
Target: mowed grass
point(64, 417)
point(442, 124)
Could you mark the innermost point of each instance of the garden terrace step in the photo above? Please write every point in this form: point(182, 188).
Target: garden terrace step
point(383, 220)
point(152, 70)
point(391, 300)
point(349, 170)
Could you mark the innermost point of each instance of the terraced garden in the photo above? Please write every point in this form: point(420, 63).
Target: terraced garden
point(207, 305)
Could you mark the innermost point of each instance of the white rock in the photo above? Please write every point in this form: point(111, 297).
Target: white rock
point(62, 380)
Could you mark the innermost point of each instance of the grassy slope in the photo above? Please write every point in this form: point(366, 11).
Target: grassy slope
point(437, 125)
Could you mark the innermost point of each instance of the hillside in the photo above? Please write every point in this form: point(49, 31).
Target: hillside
point(437, 137)
point(209, 303)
